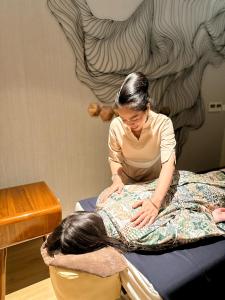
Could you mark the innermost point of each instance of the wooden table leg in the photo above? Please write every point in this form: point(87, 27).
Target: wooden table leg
point(3, 255)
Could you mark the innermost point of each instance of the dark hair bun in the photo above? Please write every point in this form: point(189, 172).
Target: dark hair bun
point(134, 92)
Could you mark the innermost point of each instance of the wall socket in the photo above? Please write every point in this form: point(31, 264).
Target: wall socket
point(216, 107)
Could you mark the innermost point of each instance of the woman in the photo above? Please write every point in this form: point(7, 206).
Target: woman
point(141, 147)
point(81, 232)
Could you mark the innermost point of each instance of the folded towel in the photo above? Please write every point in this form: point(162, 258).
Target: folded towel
point(104, 262)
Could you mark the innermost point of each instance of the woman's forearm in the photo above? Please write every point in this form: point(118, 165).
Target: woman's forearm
point(116, 168)
point(164, 181)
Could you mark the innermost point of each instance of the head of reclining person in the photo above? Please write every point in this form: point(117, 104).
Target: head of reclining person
point(80, 232)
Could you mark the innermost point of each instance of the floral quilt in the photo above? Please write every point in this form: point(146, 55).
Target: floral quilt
point(184, 217)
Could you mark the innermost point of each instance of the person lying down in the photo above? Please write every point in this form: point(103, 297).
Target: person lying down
point(194, 208)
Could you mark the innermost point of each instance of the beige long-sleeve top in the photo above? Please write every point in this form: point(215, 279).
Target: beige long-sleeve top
point(141, 158)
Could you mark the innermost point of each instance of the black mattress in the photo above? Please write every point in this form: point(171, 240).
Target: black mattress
point(194, 271)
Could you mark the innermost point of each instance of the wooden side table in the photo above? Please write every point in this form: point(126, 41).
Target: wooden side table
point(26, 212)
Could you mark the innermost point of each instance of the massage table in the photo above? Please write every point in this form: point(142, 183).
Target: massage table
point(193, 271)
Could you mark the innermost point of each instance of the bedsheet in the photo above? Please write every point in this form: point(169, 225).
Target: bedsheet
point(185, 216)
point(194, 271)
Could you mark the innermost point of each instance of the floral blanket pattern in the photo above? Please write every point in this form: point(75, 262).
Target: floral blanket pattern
point(185, 216)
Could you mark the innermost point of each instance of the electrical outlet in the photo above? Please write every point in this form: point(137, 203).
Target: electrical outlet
point(215, 107)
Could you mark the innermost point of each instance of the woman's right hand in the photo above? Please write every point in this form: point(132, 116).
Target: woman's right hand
point(116, 186)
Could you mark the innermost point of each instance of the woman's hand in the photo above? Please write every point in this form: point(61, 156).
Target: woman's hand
point(150, 207)
point(147, 214)
point(117, 186)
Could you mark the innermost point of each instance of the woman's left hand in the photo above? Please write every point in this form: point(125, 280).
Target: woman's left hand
point(146, 215)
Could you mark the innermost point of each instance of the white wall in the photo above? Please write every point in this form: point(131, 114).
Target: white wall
point(222, 158)
point(45, 131)
point(113, 9)
point(205, 148)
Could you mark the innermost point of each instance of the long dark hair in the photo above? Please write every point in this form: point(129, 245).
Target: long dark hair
point(133, 92)
point(79, 233)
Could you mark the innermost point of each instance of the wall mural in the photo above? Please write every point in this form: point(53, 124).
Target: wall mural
point(171, 42)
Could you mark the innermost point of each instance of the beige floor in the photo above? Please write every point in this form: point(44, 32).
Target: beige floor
point(36, 291)
point(27, 276)
point(24, 266)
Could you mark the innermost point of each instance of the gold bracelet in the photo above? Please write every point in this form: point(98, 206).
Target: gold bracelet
point(154, 205)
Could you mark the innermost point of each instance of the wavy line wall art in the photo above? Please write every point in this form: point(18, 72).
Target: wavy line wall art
point(171, 42)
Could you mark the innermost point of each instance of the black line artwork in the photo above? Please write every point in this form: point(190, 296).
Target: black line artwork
point(171, 42)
